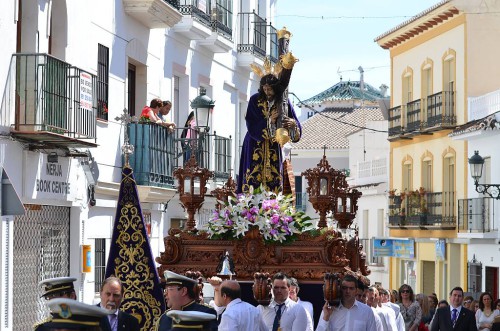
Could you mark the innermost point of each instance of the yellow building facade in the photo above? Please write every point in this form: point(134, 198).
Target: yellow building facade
point(438, 58)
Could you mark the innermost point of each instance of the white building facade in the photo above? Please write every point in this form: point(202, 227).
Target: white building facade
point(478, 217)
point(68, 69)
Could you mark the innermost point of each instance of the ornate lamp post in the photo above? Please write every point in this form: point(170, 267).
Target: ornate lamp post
point(322, 186)
point(476, 163)
point(192, 181)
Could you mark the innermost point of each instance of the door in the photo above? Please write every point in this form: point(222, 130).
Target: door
point(491, 281)
point(428, 277)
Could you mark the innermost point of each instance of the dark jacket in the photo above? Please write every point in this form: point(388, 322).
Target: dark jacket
point(466, 320)
point(126, 322)
point(165, 322)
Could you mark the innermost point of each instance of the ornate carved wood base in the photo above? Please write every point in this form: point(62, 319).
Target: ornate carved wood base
point(307, 259)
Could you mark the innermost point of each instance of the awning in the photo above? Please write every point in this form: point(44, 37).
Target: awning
point(10, 202)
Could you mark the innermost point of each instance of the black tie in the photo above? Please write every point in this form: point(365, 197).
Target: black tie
point(277, 318)
point(220, 316)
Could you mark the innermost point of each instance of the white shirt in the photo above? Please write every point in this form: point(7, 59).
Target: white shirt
point(293, 317)
point(241, 316)
point(400, 322)
point(389, 317)
point(218, 310)
point(307, 306)
point(357, 318)
point(379, 322)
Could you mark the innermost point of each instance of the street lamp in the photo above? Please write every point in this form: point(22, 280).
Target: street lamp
point(476, 163)
point(202, 105)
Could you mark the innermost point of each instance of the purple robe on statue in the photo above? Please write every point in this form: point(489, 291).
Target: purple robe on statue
point(261, 159)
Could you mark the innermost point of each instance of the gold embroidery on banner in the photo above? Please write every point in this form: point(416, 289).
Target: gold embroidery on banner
point(132, 262)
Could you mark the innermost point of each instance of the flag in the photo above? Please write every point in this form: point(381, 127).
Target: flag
point(131, 260)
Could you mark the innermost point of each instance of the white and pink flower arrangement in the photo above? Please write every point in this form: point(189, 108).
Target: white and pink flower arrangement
point(273, 214)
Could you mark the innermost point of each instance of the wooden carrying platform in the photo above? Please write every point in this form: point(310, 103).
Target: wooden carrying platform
point(308, 259)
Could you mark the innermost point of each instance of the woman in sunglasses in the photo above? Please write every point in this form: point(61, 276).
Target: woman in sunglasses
point(410, 309)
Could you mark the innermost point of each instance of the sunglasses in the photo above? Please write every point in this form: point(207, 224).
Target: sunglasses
point(405, 291)
point(467, 302)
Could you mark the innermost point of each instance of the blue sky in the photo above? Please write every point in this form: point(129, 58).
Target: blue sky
point(332, 35)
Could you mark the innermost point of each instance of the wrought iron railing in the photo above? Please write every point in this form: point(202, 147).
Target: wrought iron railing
point(413, 121)
point(222, 23)
point(200, 11)
point(253, 34)
point(476, 215)
point(422, 209)
point(436, 110)
point(159, 151)
point(173, 3)
point(50, 95)
point(154, 154)
point(395, 121)
point(273, 44)
point(441, 109)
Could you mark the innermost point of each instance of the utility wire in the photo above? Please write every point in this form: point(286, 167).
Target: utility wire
point(334, 119)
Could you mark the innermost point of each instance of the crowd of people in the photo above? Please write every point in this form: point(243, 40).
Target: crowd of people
point(360, 308)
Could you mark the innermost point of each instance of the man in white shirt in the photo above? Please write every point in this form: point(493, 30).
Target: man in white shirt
point(293, 294)
point(386, 314)
point(283, 313)
point(350, 314)
point(238, 315)
point(385, 300)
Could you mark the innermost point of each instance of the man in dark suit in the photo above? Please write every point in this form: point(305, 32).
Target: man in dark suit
point(181, 296)
point(111, 298)
point(454, 317)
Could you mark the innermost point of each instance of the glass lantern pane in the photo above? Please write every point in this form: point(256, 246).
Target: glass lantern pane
point(196, 188)
point(323, 186)
point(187, 185)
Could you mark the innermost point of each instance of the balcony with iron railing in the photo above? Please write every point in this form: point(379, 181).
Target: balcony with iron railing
point(154, 14)
point(413, 116)
point(420, 209)
point(209, 22)
point(476, 217)
point(432, 113)
point(395, 125)
point(157, 152)
point(252, 38)
point(222, 20)
point(49, 103)
point(273, 44)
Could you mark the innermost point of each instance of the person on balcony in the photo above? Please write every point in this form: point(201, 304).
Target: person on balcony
point(152, 111)
point(261, 157)
point(189, 136)
point(163, 112)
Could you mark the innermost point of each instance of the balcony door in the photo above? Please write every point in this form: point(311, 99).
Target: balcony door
point(407, 95)
point(449, 189)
